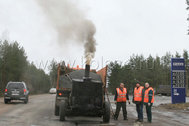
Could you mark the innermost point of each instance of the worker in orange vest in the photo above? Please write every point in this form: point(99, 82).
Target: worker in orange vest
point(121, 96)
point(148, 100)
point(138, 97)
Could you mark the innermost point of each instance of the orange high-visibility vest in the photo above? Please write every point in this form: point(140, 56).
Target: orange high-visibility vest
point(121, 95)
point(138, 93)
point(146, 95)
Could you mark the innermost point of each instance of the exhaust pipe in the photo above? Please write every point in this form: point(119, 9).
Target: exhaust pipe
point(87, 71)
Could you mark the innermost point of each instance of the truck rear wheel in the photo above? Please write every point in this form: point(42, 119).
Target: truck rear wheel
point(26, 101)
point(56, 110)
point(6, 101)
point(62, 111)
point(106, 116)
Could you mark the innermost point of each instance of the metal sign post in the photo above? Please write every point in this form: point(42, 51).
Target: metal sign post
point(178, 83)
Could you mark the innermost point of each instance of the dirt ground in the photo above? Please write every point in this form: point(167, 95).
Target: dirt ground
point(40, 112)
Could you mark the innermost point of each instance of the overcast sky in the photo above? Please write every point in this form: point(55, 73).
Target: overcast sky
point(123, 27)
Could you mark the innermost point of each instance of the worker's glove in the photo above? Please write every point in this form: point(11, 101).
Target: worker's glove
point(129, 102)
point(149, 104)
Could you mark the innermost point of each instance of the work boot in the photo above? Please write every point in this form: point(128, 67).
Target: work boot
point(136, 120)
point(149, 121)
point(115, 117)
point(140, 120)
point(125, 118)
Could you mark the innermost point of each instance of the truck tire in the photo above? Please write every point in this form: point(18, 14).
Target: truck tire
point(56, 110)
point(26, 101)
point(6, 101)
point(62, 111)
point(106, 116)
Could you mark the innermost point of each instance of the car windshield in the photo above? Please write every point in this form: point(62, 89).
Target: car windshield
point(15, 85)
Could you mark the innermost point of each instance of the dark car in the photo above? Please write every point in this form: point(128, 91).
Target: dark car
point(16, 91)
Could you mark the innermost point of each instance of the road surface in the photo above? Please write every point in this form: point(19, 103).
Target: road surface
point(40, 112)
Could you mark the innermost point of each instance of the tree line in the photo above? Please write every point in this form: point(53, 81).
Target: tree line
point(14, 66)
point(155, 70)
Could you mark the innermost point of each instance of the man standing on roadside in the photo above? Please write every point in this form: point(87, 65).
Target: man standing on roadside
point(138, 97)
point(148, 100)
point(121, 96)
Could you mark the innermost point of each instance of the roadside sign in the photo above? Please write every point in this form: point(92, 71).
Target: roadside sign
point(178, 91)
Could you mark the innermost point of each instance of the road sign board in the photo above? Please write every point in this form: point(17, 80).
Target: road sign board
point(178, 85)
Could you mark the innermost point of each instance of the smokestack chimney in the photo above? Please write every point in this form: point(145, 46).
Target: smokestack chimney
point(87, 71)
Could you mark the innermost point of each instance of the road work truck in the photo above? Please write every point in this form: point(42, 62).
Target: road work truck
point(81, 92)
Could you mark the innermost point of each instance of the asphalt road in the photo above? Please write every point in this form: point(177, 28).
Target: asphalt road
point(40, 112)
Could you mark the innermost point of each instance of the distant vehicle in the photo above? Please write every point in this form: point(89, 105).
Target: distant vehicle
point(16, 91)
point(52, 91)
point(164, 90)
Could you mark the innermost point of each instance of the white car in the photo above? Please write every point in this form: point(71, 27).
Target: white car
point(52, 91)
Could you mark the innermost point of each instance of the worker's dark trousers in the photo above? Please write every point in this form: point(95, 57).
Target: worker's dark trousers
point(149, 113)
point(139, 109)
point(118, 107)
